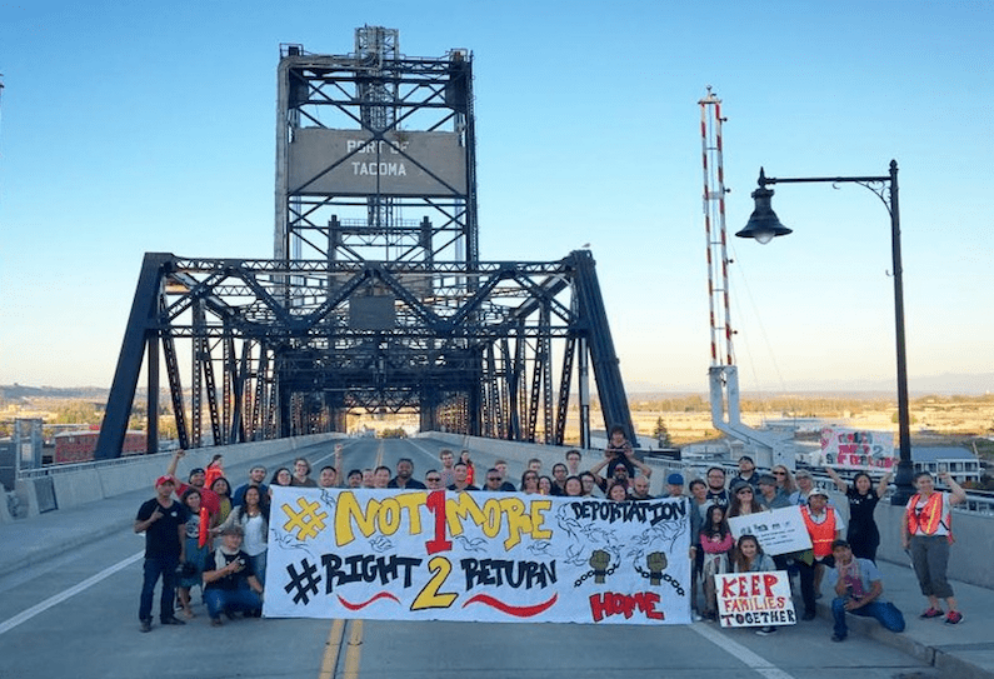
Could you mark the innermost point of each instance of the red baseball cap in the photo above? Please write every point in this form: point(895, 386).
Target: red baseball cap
point(165, 479)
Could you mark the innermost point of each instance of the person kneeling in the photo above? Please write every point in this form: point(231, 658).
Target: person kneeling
point(229, 581)
point(858, 588)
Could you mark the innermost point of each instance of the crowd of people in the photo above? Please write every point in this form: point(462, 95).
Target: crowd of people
point(204, 534)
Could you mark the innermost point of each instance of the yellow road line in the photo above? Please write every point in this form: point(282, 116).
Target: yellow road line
point(353, 651)
point(332, 649)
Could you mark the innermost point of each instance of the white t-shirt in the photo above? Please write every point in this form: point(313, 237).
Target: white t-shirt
point(943, 527)
point(255, 535)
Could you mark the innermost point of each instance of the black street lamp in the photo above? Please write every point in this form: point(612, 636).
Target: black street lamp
point(764, 226)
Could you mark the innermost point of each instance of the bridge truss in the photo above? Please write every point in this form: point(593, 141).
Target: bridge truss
point(500, 361)
point(364, 308)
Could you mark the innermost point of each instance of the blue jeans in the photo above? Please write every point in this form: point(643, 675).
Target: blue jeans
point(221, 600)
point(164, 566)
point(886, 614)
point(259, 566)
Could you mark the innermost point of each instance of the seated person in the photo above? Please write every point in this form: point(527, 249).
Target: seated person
point(229, 581)
point(858, 590)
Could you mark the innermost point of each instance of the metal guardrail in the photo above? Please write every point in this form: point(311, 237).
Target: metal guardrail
point(981, 502)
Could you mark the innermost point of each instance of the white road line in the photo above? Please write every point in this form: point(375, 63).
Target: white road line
point(754, 661)
point(24, 616)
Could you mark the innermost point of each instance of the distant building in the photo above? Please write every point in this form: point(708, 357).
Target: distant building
point(79, 446)
point(961, 464)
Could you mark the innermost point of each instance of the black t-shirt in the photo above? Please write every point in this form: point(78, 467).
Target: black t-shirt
point(162, 537)
point(231, 581)
point(412, 484)
point(718, 498)
point(469, 487)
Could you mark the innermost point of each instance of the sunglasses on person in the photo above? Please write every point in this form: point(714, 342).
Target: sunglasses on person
point(434, 479)
point(780, 473)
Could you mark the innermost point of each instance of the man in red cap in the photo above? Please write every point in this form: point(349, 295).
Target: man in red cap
point(163, 520)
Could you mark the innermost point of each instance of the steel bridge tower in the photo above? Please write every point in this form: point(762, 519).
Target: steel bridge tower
point(376, 298)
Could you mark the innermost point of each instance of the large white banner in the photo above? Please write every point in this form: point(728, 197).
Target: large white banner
point(493, 557)
point(754, 599)
point(857, 449)
point(778, 531)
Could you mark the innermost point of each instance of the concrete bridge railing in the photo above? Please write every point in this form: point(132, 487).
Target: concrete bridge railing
point(65, 486)
point(973, 531)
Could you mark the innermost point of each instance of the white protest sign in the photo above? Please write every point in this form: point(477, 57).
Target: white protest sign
point(476, 556)
point(754, 599)
point(779, 531)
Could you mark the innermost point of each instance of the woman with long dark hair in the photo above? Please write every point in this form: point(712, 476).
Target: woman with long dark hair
point(749, 558)
point(253, 516)
point(716, 542)
point(863, 535)
point(743, 502)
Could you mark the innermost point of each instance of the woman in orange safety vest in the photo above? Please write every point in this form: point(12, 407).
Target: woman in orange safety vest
point(927, 530)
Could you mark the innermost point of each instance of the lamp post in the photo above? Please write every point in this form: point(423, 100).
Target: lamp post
point(764, 226)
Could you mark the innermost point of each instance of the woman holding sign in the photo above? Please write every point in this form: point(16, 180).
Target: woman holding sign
point(749, 558)
point(863, 535)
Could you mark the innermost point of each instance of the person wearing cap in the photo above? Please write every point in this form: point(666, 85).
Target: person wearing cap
point(824, 526)
point(674, 485)
point(618, 473)
point(858, 589)
point(229, 581)
point(163, 520)
point(197, 478)
point(805, 486)
point(620, 468)
point(769, 497)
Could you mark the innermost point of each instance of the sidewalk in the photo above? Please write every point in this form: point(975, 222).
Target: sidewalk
point(963, 651)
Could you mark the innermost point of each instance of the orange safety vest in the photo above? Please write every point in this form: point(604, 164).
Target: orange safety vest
point(929, 518)
point(822, 534)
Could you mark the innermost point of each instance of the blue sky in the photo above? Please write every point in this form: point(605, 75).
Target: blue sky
point(132, 127)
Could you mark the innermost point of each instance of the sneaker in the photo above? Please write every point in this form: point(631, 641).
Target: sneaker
point(765, 631)
point(216, 622)
point(172, 621)
point(146, 626)
point(808, 615)
point(697, 617)
point(836, 637)
point(931, 613)
point(954, 618)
